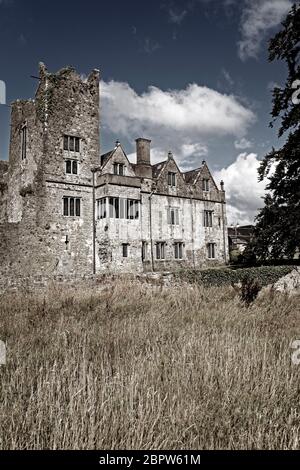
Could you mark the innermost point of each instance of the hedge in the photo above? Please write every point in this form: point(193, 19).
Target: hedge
point(221, 276)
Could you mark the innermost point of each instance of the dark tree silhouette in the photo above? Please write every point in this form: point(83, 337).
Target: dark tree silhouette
point(277, 233)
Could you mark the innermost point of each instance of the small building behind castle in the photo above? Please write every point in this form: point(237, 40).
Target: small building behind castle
point(67, 209)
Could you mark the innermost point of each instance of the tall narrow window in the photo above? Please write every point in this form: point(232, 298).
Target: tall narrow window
point(173, 216)
point(66, 206)
point(144, 251)
point(114, 207)
point(68, 166)
point(77, 207)
point(122, 203)
point(171, 178)
point(74, 167)
point(160, 250)
point(178, 250)
point(205, 184)
point(208, 218)
point(101, 208)
point(23, 142)
point(211, 250)
point(125, 250)
point(71, 206)
point(66, 142)
point(71, 144)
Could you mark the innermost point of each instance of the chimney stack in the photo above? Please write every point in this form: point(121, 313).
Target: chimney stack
point(143, 162)
point(143, 151)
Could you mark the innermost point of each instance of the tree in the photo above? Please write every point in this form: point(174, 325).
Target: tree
point(277, 232)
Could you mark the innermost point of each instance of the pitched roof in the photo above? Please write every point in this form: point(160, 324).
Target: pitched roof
point(157, 168)
point(191, 176)
point(105, 157)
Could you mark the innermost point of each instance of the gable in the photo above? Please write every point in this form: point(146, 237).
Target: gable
point(117, 156)
point(204, 173)
point(163, 169)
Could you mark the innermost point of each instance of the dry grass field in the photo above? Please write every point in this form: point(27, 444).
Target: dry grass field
point(131, 366)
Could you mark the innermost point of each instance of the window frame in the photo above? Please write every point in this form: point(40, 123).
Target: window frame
point(125, 250)
point(211, 250)
point(102, 208)
point(144, 250)
point(172, 179)
point(178, 251)
point(124, 208)
point(206, 185)
point(76, 143)
point(72, 206)
point(160, 251)
point(118, 169)
point(24, 142)
point(72, 163)
point(208, 218)
point(173, 216)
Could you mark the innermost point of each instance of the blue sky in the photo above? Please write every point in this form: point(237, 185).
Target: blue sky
point(191, 75)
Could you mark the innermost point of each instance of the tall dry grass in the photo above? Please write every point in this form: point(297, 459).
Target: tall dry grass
point(132, 367)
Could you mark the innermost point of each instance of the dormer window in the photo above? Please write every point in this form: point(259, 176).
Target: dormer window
point(23, 141)
point(119, 169)
point(205, 184)
point(71, 144)
point(171, 178)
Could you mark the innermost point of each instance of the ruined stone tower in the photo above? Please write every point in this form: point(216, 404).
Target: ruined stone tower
point(53, 147)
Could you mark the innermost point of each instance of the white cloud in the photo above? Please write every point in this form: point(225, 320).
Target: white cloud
point(228, 77)
point(258, 17)
point(175, 16)
point(242, 144)
point(243, 190)
point(177, 120)
point(151, 46)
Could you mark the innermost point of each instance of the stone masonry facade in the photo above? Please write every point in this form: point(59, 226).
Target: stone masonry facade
point(65, 209)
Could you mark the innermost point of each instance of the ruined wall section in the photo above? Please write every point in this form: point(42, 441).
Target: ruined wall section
point(23, 172)
point(3, 190)
point(69, 106)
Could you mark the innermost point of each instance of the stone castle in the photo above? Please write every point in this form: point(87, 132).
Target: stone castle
point(67, 209)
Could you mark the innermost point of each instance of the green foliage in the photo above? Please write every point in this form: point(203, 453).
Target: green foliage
point(265, 275)
point(234, 256)
point(249, 290)
point(277, 233)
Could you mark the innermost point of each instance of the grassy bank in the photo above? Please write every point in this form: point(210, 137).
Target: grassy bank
point(123, 368)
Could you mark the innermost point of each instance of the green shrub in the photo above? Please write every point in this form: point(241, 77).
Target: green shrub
point(249, 290)
point(234, 256)
point(223, 276)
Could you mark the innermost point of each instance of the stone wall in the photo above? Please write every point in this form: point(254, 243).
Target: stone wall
point(35, 236)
